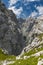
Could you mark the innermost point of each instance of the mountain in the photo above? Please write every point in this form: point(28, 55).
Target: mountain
point(32, 30)
point(21, 40)
point(20, 22)
point(10, 37)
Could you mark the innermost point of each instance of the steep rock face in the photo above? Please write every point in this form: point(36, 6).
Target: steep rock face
point(32, 30)
point(10, 38)
point(32, 27)
point(20, 22)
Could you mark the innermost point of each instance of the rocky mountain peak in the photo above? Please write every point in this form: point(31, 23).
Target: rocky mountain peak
point(11, 39)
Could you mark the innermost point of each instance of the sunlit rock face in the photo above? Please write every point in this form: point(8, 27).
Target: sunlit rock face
point(31, 28)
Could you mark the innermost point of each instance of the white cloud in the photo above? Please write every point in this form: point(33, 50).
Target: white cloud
point(26, 2)
point(30, 0)
point(16, 11)
point(33, 0)
point(40, 9)
point(11, 2)
point(13, 8)
point(20, 10)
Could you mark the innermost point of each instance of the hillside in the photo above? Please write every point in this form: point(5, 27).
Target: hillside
point(33, 57)
point(11, 40)
point(21, 41)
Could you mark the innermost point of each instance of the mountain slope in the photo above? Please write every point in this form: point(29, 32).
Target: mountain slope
point(11, 40)
point(24, 40)
point(33, 57)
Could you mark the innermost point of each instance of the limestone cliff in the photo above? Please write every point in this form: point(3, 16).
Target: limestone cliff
point(11, 39)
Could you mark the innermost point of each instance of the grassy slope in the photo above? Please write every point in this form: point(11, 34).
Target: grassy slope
point(6, 57)
point(30, 61)
point(35, 50)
